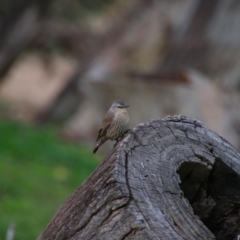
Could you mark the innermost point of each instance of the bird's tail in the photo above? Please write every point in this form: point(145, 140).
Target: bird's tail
point(99, 142)
point(96, 148)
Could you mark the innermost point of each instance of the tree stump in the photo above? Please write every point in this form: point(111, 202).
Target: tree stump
point(166, 179)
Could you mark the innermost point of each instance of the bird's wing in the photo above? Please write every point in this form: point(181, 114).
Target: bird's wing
point(106, 123)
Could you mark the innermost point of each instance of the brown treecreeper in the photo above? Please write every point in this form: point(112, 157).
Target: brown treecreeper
point(114, 125)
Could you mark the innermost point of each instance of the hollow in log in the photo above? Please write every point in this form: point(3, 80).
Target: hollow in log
point(166, 179)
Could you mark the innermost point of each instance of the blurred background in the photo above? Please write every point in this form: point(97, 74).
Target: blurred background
point(62, 63)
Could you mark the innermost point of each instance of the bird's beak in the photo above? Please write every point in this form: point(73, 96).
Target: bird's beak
point(126, 106)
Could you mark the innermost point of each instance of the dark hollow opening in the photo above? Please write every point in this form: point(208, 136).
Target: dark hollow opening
point(214, 195)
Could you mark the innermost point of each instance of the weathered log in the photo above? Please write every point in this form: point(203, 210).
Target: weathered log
point(166, 179)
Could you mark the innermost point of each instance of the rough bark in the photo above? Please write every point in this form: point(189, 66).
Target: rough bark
point(167, 179)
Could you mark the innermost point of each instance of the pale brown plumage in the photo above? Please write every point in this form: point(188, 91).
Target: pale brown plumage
point(114, 124)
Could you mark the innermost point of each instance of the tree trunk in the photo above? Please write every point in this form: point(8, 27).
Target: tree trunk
point(19, 29)
point(167, 179)
point(209, 44)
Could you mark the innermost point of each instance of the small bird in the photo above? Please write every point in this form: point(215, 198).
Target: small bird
point(114, 124)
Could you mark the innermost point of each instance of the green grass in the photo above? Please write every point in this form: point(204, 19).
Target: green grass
point(37, 173)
